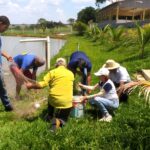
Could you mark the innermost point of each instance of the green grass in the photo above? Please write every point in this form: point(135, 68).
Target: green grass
point(129, 129)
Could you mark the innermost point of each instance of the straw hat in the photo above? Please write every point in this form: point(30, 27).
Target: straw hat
point(102, 71)
point(111, 64)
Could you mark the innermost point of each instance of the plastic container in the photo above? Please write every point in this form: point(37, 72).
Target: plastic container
point(78, 107)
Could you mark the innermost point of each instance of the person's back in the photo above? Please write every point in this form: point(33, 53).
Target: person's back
point(60, 82)
point(61, 87)
point(79, 54)
point(80, 64)
point(75, 58)
point(24, 61)
point(121, 75)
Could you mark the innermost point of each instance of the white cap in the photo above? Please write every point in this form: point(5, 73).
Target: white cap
point(102, 71)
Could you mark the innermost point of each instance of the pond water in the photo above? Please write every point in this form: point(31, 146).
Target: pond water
point(13, 46)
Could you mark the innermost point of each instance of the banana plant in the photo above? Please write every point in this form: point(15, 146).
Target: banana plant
point(143, 38)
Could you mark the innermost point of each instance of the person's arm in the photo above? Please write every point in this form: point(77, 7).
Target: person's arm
point(88, 78)
point(88, 81)
point(41, 84)
point(34, 73)
point(30, 85)
point(120, 89)
point(106, 88)
point(88, 87)
point(9, 58)
point(86, 97)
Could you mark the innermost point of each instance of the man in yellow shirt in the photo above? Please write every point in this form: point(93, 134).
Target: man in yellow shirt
point(60, 82)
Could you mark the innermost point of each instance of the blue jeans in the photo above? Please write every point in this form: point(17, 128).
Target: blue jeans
point(105, 105)
point(3, 92)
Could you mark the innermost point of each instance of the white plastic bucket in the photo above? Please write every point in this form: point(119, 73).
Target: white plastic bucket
point(78, 108)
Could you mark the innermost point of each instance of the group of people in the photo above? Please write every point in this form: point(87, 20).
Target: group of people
point(60, 80)
point(112, 77)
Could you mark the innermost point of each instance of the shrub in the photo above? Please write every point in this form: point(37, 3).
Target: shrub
point(80, 27)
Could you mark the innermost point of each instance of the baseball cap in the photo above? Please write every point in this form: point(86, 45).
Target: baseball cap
point(102, 71)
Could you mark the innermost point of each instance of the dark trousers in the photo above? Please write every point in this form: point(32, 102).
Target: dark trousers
point(123, 97)
point(61, 114)
point(84, 80)
point(3, 92)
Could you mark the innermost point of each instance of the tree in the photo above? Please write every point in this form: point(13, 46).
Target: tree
point(98, 2)
point(87, 14)
point(143, 38)
point(80, 27)
point(42, 24)
point(71, 21)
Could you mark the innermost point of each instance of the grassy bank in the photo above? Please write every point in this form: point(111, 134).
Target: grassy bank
point(53, 33)
point(130, 126)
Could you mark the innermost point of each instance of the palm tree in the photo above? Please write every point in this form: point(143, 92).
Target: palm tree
point(143, 38)
point(144, 88)
point(115, 33)
point(96, 33)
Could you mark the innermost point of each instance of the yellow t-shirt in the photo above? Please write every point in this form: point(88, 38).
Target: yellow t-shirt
point(60, 82)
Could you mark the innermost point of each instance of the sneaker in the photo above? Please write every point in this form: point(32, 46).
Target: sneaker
point(8, 108)
point(107, 118)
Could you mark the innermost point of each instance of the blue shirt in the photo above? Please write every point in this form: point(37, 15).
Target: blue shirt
point(25, 61)
point(75, 57)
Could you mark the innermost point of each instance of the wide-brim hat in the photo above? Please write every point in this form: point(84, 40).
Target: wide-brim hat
point(111, 64)
point(102, 71)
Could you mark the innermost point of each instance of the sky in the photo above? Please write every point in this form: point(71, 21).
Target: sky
point(29, 11)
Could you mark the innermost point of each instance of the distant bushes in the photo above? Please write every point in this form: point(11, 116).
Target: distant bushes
point(80, 27)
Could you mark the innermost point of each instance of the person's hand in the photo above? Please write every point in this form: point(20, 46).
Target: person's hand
point(130, 85)
point(120, 90)
point(10, 59)
point(28, 85)
point(82, 98)
point(89, 91)
point(80, 84)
